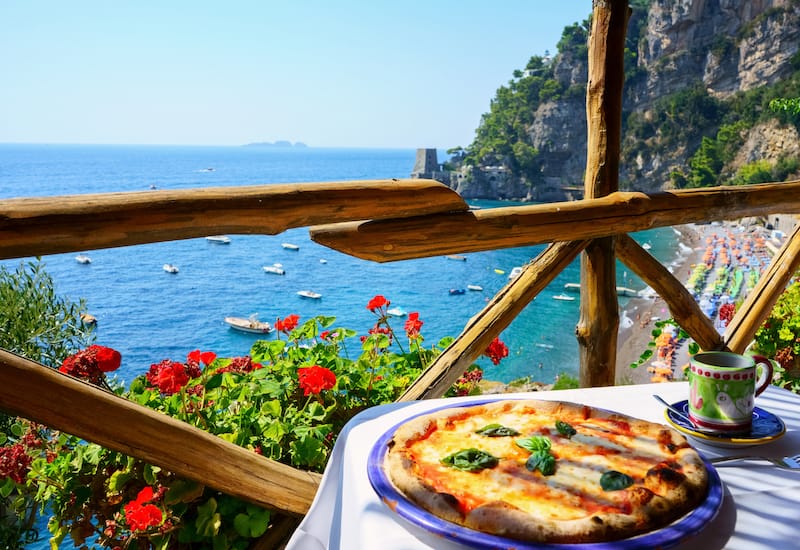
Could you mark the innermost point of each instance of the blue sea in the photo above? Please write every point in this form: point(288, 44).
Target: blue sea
point(150, 315)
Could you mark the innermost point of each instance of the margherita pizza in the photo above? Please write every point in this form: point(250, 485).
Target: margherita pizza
point(546, 471)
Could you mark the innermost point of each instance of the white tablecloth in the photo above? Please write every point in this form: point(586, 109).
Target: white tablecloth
point(760, 510)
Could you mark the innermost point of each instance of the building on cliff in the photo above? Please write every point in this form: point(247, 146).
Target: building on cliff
point(426, 166)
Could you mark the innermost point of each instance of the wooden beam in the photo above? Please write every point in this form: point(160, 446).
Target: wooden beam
point(49, 225)
point(759, 303)
point(682, 305)
point(490, 229)
point(598, 325)
point(44, 395)
point(492, 320)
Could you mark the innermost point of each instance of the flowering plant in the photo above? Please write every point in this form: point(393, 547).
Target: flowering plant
point(287, 400)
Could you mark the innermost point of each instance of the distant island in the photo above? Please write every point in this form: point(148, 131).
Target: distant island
point(298, 144)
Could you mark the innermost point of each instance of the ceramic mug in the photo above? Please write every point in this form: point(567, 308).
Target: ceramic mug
point(722, 390)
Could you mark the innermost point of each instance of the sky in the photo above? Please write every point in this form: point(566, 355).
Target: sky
point(329, 73)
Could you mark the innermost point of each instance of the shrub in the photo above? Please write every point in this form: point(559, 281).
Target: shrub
point(287, 400)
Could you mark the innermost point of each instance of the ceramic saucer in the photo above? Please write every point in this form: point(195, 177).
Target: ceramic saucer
point(766, 427)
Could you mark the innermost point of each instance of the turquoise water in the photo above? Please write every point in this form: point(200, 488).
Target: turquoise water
point(149, 315)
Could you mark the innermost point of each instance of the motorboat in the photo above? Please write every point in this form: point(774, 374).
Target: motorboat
point(83, 259)
point(476, 288)
point(397, 312)
point(252, 325)
point(515, 273)
point(457, 257)
point(290, 246)
point(170, 268)
point(564, 298)
point(309, 294)
point(274, 269)
point(575, 287)
point(456, 291)
point(219, 239)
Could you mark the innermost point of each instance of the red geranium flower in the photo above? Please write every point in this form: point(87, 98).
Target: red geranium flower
point(413, 324)
point(91, 364)
point(496, 351)
point(241, 365)
point(140, 515)
point(288, 324)
point(377, 302)
point(14, 462)
point(170, 376)
point(314, 379)
point(205, 357)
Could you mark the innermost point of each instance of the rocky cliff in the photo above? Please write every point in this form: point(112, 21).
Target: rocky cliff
point(711, 51)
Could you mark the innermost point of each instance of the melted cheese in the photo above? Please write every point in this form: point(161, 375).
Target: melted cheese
point(574, 490)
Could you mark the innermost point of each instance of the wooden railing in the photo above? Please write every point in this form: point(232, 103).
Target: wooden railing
point(384, 221)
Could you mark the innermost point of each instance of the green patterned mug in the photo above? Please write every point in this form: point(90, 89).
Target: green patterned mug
point(722, 390)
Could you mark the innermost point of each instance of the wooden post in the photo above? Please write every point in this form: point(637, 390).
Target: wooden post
point(599, 318)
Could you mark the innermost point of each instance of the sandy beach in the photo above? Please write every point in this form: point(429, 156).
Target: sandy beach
point(641, 313)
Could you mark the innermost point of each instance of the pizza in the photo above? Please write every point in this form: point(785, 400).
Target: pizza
point(546, 471)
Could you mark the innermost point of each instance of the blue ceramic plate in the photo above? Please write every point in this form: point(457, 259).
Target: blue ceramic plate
point(766, 427)
point(678, 531)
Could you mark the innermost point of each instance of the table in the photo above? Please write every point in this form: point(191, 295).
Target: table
point(761, 503)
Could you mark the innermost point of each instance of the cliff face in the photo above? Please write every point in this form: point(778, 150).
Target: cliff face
point(728, 46)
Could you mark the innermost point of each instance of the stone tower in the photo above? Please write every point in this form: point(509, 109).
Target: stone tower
point(426, 164)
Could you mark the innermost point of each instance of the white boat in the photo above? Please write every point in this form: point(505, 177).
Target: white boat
point(290, 246)
point(647, 246)
point(625, 291)
point(515, 273)
point(575, 287)
point(457, 257)
point(170, 268)
point(476, 288)
point(219, 239)
point(544, 346)
point(275, 269)
point(252, 325)
point(397, 312)
point(323, 261)
point(83, 259)
point(309, 294)
point(564, 298)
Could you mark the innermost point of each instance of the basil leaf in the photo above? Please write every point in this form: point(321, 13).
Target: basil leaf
point(534, 443)
point(542, 461)
point(613, 480)
point(565, 429)
point(470, 460)
point(496, 430)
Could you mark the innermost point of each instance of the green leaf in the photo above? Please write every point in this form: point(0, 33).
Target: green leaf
point(543, 461)
point(496, 430)
point(535, 443)
point(7, 486)
point(149, 473)
point(565, 429)
point(183, 490)
point(214, 382)
point(117, 481)
point(208, 520)
point(613, 480)
point(470, 460)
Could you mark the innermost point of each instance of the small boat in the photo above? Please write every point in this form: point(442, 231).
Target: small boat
point(564, 298)
point(309, 294)
point(88, 319)
point(219, 239)
point(275, 269)
point(83, 259)
point(170, 268)
point(457, 257)
point(290, 246)
point(544, 346)
point(323, 261)
point(647, 246)
point(252, 325)
point(456, 291)
point(515, 273)
point(476, 288)
point(625, 291)
point(499, 271)
point(576, 287)
point(397, 312)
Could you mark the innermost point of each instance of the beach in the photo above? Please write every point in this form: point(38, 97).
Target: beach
point(638, 319)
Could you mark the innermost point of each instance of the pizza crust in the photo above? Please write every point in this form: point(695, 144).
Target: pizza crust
point(671, 478)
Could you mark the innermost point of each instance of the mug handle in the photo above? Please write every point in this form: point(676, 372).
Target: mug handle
point(765, 378)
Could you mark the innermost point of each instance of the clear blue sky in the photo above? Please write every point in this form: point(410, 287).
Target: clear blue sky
point(350, 73)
